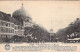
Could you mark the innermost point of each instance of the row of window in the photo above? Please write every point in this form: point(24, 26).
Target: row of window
point(3, 36)
point(6, 36)
point(6, 30)
point(19, 32)
point(3, 23)
point(19, 27)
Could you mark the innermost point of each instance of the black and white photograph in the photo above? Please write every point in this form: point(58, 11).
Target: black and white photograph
point(39, 22)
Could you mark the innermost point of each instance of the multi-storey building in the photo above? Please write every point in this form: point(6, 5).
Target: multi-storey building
point(15, 24)
point(74, 37)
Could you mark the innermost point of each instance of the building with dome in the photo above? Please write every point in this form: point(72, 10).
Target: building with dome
point(15, 24)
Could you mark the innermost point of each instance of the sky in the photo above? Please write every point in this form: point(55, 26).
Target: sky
point(48, 14)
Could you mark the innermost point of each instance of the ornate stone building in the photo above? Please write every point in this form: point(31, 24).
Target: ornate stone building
point(15, 24)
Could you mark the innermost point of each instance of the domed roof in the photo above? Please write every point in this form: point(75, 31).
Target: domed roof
point(20, 15)
point(20, 11)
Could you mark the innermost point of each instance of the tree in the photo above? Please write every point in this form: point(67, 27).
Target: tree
point(72, 28)
point(38, 33)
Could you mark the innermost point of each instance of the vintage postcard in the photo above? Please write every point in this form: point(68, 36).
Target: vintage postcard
point(39, 26)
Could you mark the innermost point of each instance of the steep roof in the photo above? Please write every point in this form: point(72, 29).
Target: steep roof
point(5, 17)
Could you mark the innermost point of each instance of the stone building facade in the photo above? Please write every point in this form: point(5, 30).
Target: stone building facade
point(15, 24)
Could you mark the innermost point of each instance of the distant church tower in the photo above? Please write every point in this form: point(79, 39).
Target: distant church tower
point(51, 32)
point(51, 35)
